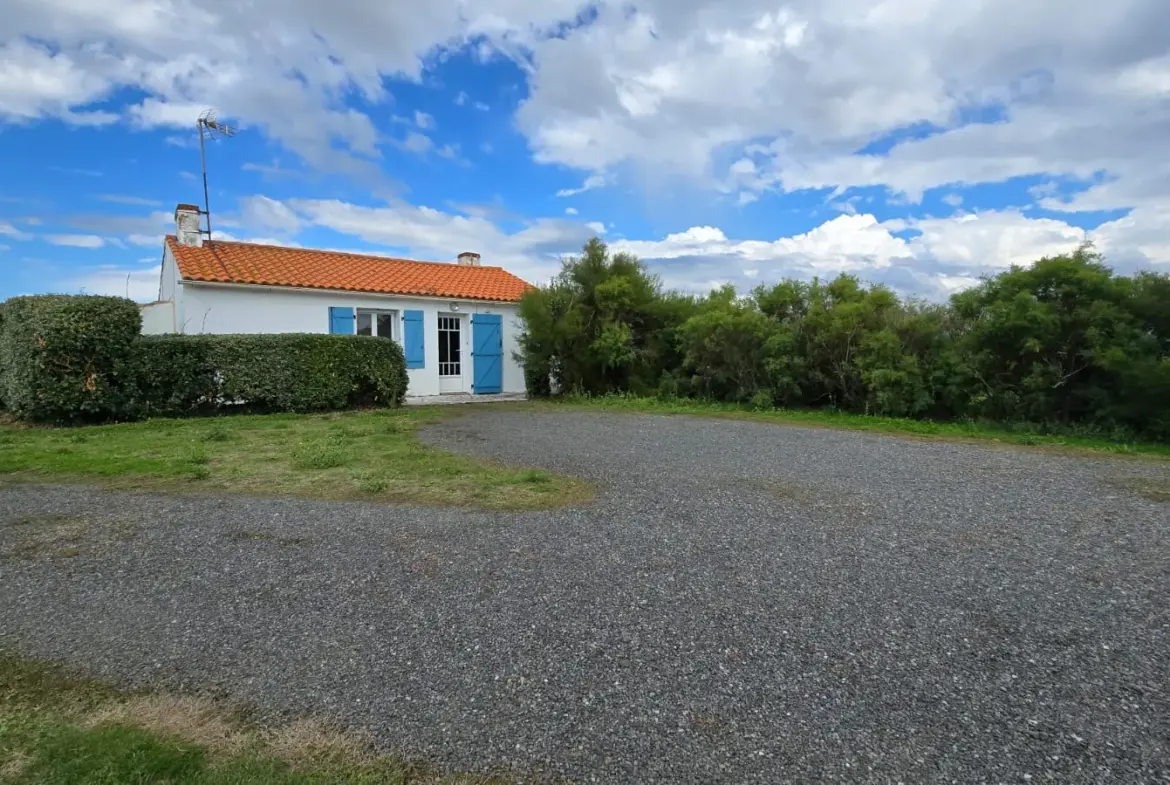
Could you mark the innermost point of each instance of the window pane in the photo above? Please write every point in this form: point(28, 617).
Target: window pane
point(386, 325)
point(444, 349)
point(364, 323)
point(453, 352)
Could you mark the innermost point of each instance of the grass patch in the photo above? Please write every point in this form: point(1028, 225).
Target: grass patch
point(59, 536)
point(321, 454)
point(1025, 435)
point(56, 729)
point(250, 536)
point(371, 455)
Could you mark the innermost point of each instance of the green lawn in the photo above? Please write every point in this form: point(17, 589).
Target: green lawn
point(372, 455)
point(56, 729)
point(895, 426)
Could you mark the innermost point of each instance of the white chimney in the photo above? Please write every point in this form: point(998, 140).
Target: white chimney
point(469, 259)
point(188, 228)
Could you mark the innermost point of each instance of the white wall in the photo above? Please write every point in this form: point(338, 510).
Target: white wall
point(209, 308)
point(157, 318)
point(166, 289)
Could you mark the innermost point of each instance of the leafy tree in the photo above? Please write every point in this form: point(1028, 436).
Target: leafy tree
point(1063, 343)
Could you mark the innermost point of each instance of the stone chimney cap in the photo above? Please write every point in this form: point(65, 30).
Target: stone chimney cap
point(188, 225)
point(469, 258)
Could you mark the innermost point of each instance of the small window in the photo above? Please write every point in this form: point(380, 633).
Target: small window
point(380, 323)
point(450, 344)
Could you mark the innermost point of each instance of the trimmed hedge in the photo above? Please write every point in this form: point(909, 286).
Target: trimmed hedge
point(68, 358)
point(290, 372)
point(78, 358)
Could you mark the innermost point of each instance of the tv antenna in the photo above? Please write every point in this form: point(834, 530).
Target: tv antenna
point(209, 125)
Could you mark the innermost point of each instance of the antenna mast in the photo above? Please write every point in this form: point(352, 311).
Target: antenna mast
point(209, 126)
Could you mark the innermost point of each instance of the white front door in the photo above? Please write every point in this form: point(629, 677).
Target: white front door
point(453, 359)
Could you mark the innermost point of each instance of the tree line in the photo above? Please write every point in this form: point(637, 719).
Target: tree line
point(1065, 344)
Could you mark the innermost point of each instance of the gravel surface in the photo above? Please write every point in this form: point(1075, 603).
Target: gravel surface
point(742, 603)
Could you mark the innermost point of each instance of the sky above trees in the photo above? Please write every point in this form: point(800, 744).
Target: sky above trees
point(916, 143)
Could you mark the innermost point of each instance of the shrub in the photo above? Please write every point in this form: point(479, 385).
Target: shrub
point(68, 358)
point(288, 372)
point(176, 375)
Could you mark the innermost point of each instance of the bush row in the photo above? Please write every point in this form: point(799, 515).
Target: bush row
point(68, 359)
point(1064, 343)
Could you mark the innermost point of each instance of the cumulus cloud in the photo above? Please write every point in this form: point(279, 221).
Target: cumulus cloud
point(800, 90)
point(268, 214)
point(742, 97)
point(591, 182)
point(140, 285)
point(286, 68)
point(8, 230)
point(933, 257)
point(77, 240)
point(532, 251)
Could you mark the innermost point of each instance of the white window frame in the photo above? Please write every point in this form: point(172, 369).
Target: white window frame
point(374, 313)
point(451, 370)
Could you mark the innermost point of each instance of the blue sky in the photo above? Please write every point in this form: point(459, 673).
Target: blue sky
point(902, 141)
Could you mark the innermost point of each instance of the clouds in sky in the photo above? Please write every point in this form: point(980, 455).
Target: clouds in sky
point(743, 100)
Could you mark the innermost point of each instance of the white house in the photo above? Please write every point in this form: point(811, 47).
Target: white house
point(457, 322)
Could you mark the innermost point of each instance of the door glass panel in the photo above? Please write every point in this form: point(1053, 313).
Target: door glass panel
point(449, 343)
point(364, 323)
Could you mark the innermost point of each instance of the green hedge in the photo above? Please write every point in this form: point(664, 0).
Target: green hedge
point(68, 358)
point(290, 372)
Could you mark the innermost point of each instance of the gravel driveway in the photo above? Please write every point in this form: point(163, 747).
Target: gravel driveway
point(742, 603)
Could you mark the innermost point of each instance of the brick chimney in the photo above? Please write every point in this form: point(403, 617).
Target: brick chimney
point(188, 228)
point(469, 259)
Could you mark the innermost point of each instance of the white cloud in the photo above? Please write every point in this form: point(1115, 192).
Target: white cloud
point(8, 230)
point(591, 182)
point(152, 113)
point(134, 201)
point(597, 227)
point(570, 211)
point(286, 69)
point(954, 200)
point(424, 121)
point(417, 143)
point(532, 252)
point(268, 214)
point(77, 240)
point(37, 82)
point(461, 98)
point(937, 257)
point(140, 285)
point(679, 88)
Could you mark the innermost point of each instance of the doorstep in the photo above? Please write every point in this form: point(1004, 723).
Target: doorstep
point(429, 400)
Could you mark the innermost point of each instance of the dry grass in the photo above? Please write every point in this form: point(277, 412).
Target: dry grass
point(14, 765)
point(59, 536)
point(43, 536)
point(193, 720)
point(313, 742)
point(55, 727)
point(1150, 488)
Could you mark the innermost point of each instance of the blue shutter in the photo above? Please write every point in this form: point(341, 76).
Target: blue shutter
point(341, 321)
point(412, 339)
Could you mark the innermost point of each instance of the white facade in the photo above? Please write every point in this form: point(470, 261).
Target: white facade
point(193, 307)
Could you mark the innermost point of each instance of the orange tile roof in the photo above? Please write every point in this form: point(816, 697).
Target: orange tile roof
point(275, 265)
